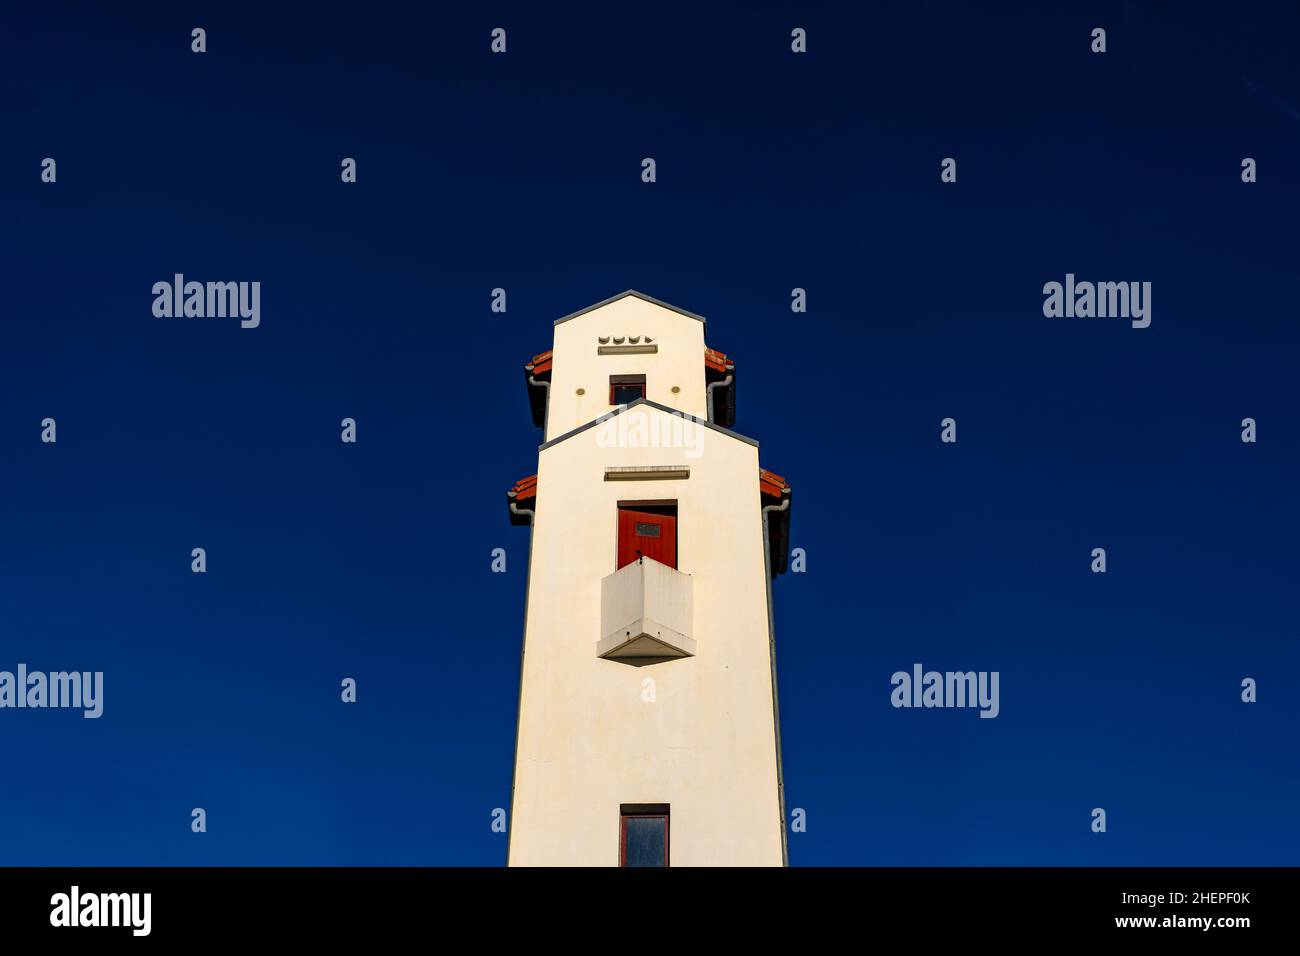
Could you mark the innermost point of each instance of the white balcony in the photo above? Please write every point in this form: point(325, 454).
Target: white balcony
point(646, 614)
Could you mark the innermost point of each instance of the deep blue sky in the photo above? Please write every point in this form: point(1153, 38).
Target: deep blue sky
point(775, 170)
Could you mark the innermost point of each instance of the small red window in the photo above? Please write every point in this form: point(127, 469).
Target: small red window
point(626, 389)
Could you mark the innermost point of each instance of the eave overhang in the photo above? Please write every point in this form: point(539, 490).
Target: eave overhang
point(537, 376)
point(521, 500)
point(775, 497)
point(720, 380)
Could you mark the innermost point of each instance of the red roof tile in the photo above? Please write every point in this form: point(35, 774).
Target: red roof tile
point(524, 488)
point(717, 361)
point(540, 364)
point(770, 483)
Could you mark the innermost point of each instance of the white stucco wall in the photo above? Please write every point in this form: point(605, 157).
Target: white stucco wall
point(588, 742)
point(679, 362)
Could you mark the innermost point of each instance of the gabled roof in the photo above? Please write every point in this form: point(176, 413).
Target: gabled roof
point(623, 295)
point(663, 408)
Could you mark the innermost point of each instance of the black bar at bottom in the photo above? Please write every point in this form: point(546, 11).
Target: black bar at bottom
point(211, 905)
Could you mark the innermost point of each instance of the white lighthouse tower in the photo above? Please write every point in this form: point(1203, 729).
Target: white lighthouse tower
point(648, 724)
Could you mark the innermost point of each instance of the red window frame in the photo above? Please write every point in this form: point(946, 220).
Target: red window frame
point(622, 833)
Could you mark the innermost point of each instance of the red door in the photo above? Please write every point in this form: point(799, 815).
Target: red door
point(654, 536)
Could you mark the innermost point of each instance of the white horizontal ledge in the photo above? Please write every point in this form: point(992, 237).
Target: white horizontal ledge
point(645, 472)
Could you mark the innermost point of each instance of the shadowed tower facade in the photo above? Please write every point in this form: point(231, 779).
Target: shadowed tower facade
point(648, 729)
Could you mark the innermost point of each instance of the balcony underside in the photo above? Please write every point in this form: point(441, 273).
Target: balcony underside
point(645, 642)
point(646, 611)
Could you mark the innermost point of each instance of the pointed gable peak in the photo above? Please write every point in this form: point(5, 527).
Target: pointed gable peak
point(623, 295)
